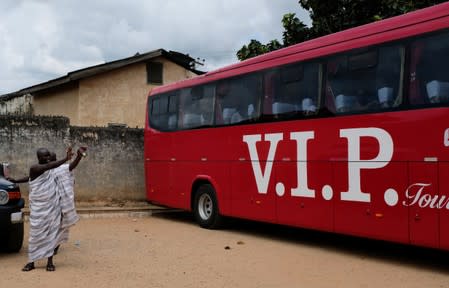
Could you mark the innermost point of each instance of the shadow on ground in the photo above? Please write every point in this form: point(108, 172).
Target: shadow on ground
point(421, 258)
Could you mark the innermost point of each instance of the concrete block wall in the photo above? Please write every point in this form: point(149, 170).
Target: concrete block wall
point(113, 169)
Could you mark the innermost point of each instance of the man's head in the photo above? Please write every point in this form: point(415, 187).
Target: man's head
point(43, 155)
point(223, 88)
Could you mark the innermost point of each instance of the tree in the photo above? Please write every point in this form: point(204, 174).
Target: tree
point(294, 30)
point(330, 16)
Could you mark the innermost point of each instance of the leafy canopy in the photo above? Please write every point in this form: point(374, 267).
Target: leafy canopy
point(330, 16)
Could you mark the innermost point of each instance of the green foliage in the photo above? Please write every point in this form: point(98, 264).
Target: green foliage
point(255, 48)
point(273, 45)
point(330, 16)
point(294, 30)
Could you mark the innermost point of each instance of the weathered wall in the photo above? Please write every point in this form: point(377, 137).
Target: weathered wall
point(22, 105)
point(113, 169)
point(119, 95)
point(172, 72)
point(58, 102)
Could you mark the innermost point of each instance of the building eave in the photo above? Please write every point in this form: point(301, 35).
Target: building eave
point(102, 68)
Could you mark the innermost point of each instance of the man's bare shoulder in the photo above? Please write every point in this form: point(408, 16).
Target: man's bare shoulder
point(35, 167)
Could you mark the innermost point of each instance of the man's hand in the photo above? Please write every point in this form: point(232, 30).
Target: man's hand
point(82, 151)
point(69, 153)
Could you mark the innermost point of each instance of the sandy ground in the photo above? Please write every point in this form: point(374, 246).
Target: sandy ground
point(170, 250)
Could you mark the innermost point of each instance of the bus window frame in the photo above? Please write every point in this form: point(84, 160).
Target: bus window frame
point(324, 107)
point(168, 113)
point(402, 44)
point(407, 83)
point(298, 114)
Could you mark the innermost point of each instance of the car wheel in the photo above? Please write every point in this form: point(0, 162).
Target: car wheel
point(15, 238)
point(205, 207)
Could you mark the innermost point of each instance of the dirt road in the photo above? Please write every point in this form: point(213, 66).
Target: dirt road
point(170, 250)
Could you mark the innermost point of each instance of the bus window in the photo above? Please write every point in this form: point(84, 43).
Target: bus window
point(366, 81)
point(172, 123)
point(238, 99)
point(159, 112)
point(389, 77)
point(196, 107)
point(207, 105)
point(310, 89)
point(154, 112)
point(293, 89)
point(429, 80)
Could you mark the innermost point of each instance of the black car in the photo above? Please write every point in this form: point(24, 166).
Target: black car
point(11, 216)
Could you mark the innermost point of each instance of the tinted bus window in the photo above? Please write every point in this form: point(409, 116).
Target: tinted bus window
point(196, 107)
point(158, 111)
point(292, 89)
point(365, 81)
point(429, 80)
point(172, 121)
point(163, 114)
point(238, 99)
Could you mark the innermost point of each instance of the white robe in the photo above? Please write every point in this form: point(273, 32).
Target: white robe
point(65, 181)
point(50, 211)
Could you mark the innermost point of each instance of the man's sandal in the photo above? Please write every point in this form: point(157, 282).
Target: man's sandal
point(28, 267)
point(51, 267)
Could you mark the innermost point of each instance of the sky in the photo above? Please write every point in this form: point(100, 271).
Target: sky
point(42, 40)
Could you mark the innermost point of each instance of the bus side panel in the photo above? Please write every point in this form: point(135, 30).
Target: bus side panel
point(247, 200)
point(186, 165)
point(305, 173)
point(201, 153)
point(158, 182)
point(350, 217)
point(311, 206)
point(423, 186)
point(387, 217)
point(185, 172)
point(218, 173)
point(375, 219)
point(443, 177)
point(157, 167)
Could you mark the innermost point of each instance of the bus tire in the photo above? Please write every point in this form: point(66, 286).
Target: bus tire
point(205, 207)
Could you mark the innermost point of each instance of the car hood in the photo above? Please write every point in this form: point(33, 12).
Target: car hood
point(5, 184)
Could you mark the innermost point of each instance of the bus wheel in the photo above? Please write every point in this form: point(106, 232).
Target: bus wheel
point(205, 207)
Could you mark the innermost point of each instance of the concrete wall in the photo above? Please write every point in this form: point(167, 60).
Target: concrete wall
point(22, 105)
point(113, 169)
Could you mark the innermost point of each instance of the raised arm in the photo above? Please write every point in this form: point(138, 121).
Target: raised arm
point(44, 163)
point(79, 155)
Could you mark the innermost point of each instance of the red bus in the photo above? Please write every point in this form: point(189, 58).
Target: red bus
point(347, 133)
